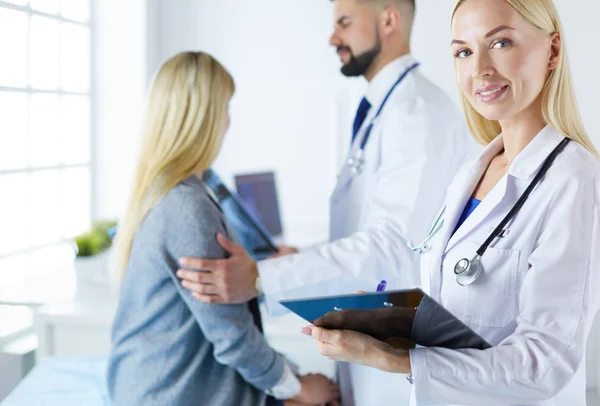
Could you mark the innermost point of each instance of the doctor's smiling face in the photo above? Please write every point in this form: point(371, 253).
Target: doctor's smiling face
point(355, 36)
point(501, 60)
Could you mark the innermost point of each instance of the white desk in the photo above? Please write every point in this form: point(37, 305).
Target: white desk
point(79, 326)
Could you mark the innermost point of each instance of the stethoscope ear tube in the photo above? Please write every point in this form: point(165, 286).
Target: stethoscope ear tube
point(357, 162)
point(437, 226)
point(513, 212)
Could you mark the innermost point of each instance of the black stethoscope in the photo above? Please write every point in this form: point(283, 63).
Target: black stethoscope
point(468, 270)
point(357, 162)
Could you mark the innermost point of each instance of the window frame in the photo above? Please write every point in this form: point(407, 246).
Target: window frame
point(90, 164)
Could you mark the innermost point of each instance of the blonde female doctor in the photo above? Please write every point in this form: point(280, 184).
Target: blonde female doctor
point(539, 286)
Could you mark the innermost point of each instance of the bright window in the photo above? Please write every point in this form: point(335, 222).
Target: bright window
point(45, 130)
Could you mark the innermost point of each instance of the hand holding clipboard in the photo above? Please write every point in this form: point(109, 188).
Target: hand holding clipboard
point(390, 317)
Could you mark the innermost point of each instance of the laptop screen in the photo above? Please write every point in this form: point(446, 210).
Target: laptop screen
point(251, 233)
point(260, 193)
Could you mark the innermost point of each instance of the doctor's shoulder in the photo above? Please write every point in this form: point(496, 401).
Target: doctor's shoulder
point(577, 162)
point(576, 173)
point(434, 97)
point(589, 165)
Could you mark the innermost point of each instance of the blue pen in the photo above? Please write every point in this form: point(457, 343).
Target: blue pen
point(381, 286)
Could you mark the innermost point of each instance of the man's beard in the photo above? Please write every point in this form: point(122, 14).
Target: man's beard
point(358, 65)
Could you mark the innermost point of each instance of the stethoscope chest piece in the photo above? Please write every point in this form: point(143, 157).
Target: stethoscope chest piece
point(357, 162)
point(467, 271)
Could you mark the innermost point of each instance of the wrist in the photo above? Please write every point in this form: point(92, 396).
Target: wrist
point(301, 395)
point(394, 360)
point(288, 387)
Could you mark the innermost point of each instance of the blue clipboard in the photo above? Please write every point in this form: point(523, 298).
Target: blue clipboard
point(311, 309)
point(430, 326)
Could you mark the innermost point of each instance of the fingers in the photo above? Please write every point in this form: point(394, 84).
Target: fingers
point(200, 288)
point(331, 320)
point(284, 250)
point(334, 389)
point(325, 336)
point(229, 245)
point(196, 277)
point(326, 339)
point(338, 320)
point(201, 264)
point(209, 299)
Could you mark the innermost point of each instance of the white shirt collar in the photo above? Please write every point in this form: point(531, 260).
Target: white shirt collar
point(386, 77)
point(530, 158)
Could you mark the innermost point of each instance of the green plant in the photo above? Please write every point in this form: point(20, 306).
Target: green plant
point(96, 240)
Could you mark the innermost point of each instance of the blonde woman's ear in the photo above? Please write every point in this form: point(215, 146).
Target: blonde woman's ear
point(555, 50)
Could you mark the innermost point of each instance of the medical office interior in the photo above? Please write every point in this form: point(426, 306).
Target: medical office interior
point(73, 78)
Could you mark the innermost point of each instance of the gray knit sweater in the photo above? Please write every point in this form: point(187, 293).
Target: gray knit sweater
point(168, 347)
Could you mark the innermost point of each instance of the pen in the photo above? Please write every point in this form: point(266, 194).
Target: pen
point(381, 286)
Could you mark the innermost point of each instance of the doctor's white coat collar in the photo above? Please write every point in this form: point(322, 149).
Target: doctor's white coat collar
point(529, 160)
point(384, 79)
point(524, 166)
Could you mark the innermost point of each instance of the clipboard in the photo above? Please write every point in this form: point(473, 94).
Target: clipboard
point(405, 315)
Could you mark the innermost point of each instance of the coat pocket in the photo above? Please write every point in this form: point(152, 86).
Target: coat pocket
point(490, 301)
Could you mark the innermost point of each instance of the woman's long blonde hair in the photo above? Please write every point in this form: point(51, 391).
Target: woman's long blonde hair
point(185, 122)
point(559, 106)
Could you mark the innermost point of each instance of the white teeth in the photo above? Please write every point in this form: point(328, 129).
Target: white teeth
point(490, 92)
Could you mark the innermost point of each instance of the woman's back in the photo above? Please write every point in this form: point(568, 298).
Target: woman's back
point(169, 348)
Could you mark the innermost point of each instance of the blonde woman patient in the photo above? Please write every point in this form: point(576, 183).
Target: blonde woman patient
point(168, 348)
point(539, 291)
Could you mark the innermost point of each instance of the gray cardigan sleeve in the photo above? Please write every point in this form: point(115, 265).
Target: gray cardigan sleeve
point(191, 231)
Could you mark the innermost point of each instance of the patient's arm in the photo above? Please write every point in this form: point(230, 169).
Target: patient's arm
point(237, 342)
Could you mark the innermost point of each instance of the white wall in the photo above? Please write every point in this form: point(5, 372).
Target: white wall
point(283, 111)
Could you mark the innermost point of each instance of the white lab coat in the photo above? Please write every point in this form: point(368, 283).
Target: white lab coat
point(415, 149)
point(536, 301)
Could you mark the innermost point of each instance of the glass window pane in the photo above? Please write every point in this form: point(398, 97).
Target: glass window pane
point(75, 121)
point(75, 201)
point(44, 53)
point(45, 138)
point(75, 57)
point(13, 48)
point(78, 10)
point(46, 6)
point(45, 207)
point(13, 130)
point(14, 213)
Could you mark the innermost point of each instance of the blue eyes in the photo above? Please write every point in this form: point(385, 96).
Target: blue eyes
point(500, 44)
point(463, 53)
